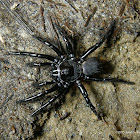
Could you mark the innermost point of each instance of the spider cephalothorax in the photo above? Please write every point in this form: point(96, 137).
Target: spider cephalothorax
point(67, 69)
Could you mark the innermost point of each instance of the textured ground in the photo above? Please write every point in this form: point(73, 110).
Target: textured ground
point(87, 19)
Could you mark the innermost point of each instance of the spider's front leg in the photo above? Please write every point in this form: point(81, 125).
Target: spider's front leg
point(38, 95)
point(49, 44)
point(38, 85)
point(85, 95)
point(29, 30)
point(61, 92)
point(48, 57)
point(34, 64)
point(69, 48)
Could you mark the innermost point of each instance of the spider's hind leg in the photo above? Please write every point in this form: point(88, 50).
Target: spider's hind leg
point(108, 79)
point(85, 95)
point(100, 42)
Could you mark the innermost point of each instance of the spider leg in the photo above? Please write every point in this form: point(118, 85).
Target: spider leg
point(108, 79)
point(22, 22)
point(32, 64)
point(65, 38)
point(47, 43)
point(27, 28)
point(36, 97)
point(85, 95)
point(100, 42)
point(16, 16)
point(61, 92)
point(51, 58)
point(58, 38)
point(37, 85)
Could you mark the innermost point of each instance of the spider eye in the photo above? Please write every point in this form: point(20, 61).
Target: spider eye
point(66, 72)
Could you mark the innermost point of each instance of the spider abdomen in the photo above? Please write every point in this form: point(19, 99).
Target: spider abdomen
point(92, 66)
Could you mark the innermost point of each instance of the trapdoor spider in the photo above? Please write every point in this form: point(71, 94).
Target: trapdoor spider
point(67, 70)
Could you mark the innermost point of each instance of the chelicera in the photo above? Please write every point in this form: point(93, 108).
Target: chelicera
point(67, 69)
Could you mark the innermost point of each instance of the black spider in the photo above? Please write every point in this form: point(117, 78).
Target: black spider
point(66, 69)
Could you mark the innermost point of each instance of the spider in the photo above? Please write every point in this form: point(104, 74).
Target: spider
point(67, 69)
